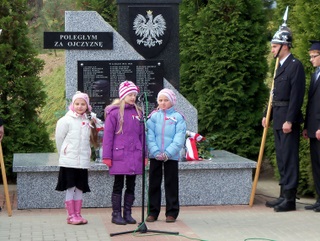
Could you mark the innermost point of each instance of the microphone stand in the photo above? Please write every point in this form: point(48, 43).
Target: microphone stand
point(142, 227)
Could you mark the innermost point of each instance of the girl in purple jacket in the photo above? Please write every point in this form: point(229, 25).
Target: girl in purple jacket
point(122, 149)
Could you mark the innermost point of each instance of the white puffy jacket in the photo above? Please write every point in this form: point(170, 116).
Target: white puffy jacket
point(73, 140)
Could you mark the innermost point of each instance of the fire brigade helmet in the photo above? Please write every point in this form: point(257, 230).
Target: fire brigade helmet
point(282, 36)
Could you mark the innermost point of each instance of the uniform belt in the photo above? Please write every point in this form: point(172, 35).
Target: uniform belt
point(280, 103)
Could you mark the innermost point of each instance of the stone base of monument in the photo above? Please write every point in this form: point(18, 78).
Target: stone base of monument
point(226, 179)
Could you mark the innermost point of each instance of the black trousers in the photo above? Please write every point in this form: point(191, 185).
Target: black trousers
point(171, 186)
point(315, 161)
point(118, 184)
point(287, 153)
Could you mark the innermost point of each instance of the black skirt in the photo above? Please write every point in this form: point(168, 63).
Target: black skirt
point(73, 177)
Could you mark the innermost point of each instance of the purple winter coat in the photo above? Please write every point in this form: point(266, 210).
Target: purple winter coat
point(125, 148)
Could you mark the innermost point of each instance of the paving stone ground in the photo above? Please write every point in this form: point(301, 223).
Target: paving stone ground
point(207, 223)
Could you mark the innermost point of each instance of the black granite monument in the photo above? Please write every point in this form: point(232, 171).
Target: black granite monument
point(152, 28)
point(101, 80)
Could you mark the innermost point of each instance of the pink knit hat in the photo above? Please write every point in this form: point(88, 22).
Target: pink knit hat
point(169, 94)
point(127, 87)
point(80, 95)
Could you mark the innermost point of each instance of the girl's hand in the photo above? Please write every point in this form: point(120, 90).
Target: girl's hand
point(108, 162)
point(146, 161)
point(162, 157)
point(159, 157)
point(165, 157)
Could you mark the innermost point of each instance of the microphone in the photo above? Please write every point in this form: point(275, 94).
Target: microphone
point(141, 97)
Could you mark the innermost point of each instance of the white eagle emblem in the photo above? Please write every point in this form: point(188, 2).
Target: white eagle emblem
point(149, 30)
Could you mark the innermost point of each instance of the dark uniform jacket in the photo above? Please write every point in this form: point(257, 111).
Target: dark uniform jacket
point(288, 93)
point(312, 123)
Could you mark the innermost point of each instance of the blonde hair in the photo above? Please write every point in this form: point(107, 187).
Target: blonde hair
point(93, 131)
point(121, 104)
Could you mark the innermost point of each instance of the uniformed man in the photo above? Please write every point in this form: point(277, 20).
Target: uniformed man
point(312, 121)
point(288, 93)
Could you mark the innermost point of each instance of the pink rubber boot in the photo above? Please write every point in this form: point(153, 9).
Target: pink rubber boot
point(77, 210)
point(72, 218)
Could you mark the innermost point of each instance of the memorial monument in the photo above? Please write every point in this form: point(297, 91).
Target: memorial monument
point(97, 59)
point(100, 71)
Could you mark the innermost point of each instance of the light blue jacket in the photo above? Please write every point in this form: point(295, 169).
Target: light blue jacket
point(166, 133)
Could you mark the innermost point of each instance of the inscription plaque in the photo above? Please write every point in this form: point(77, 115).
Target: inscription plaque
point(78, 40)
point(101, 80)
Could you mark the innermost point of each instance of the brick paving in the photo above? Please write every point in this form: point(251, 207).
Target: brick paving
point(206, 223)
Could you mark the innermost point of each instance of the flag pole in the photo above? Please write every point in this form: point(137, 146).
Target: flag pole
point(4, 177)
point(263, 141)
point(5, 184)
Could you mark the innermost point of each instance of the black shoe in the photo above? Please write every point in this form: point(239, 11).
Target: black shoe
point(289, 202)
point(286, 207)
point(317, 209)
point(313, 206)
point(273, 203)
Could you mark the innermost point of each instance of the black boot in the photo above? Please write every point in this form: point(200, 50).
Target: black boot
point(273, 203)
point(128, 202)
point(289, 203)
point(116, 210)
point(316, 205)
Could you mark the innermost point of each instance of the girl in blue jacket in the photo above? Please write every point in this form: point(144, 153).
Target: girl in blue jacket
point(165, 139)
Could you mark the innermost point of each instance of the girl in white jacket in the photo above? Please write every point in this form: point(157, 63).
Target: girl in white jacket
point(73, 134)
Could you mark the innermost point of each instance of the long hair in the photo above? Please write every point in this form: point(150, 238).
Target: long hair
point(93, 131)
point(121, 104)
